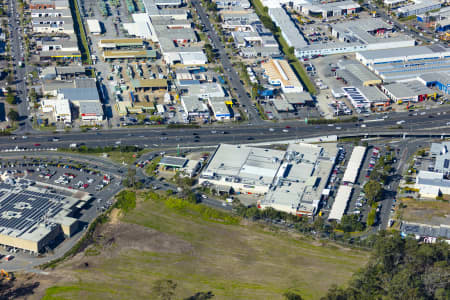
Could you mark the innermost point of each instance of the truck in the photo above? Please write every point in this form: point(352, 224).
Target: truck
point(8, 257)
point(73, 145)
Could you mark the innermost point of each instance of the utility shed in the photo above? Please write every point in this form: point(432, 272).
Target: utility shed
point(120, 43)
point(351, 173)
point(173, 162)
point(149, 84)
point(94, 27)
point(340, 202)
point(130, 54)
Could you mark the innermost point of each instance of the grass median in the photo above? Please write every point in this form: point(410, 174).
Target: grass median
point(81, 34)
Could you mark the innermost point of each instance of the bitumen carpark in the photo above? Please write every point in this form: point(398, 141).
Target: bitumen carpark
point(357, 196)
point(35, 170)
point(58, 173)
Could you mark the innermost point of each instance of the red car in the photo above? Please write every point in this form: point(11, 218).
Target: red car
point(287, 127)
point(37, 145)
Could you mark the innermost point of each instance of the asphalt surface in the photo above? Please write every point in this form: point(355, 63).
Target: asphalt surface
point(17, 54)
point(229, 71)
point(102, 200)
point(162, 137)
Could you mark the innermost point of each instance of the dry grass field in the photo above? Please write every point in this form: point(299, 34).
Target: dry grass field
point(199, 251)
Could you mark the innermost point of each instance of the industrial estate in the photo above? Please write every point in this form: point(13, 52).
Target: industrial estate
point(329, 119)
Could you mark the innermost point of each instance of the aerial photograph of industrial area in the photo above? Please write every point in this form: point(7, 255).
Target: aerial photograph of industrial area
point(225, 149)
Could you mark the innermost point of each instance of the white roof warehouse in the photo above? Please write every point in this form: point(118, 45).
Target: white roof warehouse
point(291, 181)
point(279, 72)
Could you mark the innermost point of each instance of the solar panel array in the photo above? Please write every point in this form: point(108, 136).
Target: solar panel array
point(38, 206)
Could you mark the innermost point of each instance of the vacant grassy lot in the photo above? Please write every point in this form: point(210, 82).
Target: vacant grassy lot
point(434, 211)
point(124, 157)
point(200, 250)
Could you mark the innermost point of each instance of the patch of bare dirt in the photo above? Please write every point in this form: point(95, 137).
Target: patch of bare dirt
point(114, 216)
point(27, 286)
point(120, 236)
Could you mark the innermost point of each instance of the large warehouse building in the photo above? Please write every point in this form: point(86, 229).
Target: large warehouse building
point(280, 73)
point(399, 55)
point(291, 181)
point(299, 186)
point(243, 169)
point(31, 218)
point(357, 36)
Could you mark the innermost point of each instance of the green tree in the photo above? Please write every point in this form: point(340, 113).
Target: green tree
point(130, 180)
point(210, 53)
point(421, 152)
point(400, 268)
point(373, 190)
point(201, 296)
point(33, 95)
point(291, 50)
point(371, 217)
point(164, 289)
point(10, 97)
point(13, 115)
point(267, 22)
point(350, 223)
point(289, 295)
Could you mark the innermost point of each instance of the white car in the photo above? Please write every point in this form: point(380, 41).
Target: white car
point(271, 129)
point(285, 130)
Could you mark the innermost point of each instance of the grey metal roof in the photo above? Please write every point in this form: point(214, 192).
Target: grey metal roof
point(373, 93)
point(442, 77)
point(91, 108)
point(287, 27)
point(425, 230)
point(177, 162)
point(355, 72)
point(85, 83)
point(69, 70)
point(408, 89)
point(77, 94)
point(404, 51)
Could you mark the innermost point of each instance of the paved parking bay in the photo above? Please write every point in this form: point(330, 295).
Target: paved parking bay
point(32, 168)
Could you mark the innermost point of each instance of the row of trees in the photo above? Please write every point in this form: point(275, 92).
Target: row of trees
point(348, 223)
point(400, 269)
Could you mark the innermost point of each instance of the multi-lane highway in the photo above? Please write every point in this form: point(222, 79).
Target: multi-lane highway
point(162, 137)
